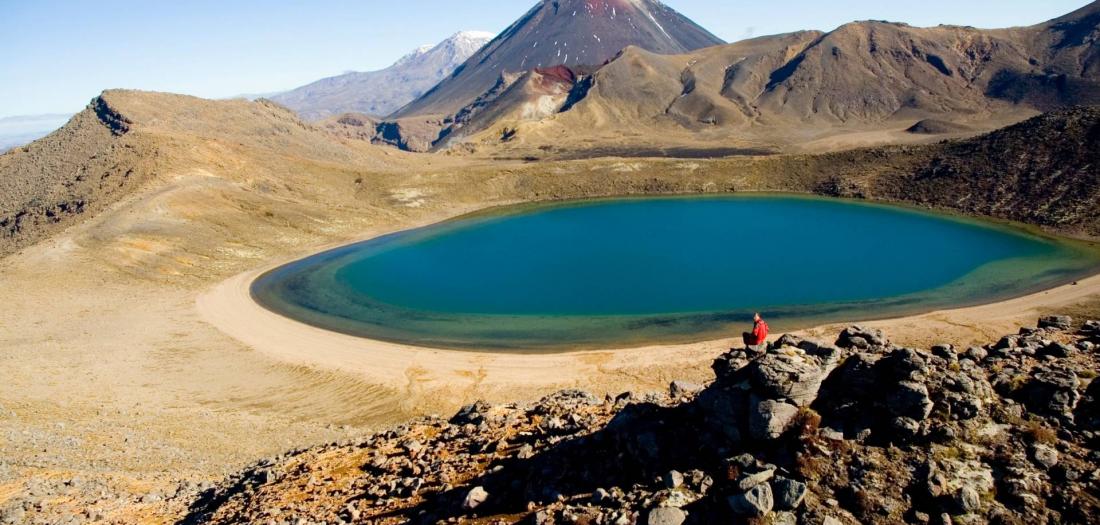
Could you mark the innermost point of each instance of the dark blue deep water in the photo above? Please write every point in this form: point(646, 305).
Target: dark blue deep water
point(634, 271)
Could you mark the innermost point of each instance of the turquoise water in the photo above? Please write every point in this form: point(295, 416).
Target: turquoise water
point(634, 271)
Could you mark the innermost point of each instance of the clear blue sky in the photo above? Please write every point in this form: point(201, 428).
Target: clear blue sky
point(55, 55)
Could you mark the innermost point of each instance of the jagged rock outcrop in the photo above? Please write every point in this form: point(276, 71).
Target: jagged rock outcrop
point(762, 400)
point(880, 434)
point(862, 338)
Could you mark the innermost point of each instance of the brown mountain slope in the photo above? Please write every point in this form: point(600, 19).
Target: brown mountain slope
point(874, 70)
point(78, 170)
point(865, 82)
point(712, 87)
point(1066, 53)
point(125, 138)
point(563, 32)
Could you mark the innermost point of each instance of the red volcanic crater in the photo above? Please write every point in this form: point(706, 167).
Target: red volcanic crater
point(561, 73)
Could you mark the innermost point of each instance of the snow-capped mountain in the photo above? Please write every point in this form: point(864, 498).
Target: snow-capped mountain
point(380, 93)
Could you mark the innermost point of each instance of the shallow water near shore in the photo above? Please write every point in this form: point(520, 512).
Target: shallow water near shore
point(629, 272)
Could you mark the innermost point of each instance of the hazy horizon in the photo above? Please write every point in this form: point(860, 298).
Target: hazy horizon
point(62, 54)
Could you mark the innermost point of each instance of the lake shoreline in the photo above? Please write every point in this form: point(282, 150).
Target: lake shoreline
point(422, 373)
point(991, 281)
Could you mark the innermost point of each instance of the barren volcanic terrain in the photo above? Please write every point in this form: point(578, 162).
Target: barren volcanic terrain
point(142, 384)
point(121, 388)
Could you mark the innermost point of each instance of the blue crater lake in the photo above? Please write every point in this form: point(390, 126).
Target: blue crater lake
point(626, 272)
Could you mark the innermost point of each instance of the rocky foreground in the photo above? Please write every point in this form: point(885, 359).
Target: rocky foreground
point(852, 431)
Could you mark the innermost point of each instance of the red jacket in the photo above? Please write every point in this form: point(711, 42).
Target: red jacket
point(760, 332)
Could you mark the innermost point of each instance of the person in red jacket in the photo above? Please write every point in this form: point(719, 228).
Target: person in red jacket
point(757, 339)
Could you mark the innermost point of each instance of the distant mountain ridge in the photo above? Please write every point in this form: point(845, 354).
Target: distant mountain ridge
point(379, 93)
point(772, 91)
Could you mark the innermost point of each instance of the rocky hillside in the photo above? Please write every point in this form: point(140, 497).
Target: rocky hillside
point(855, 430)
point(1042, 171)
point(379, 93)
point(1067, 47)
point(80, 169)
